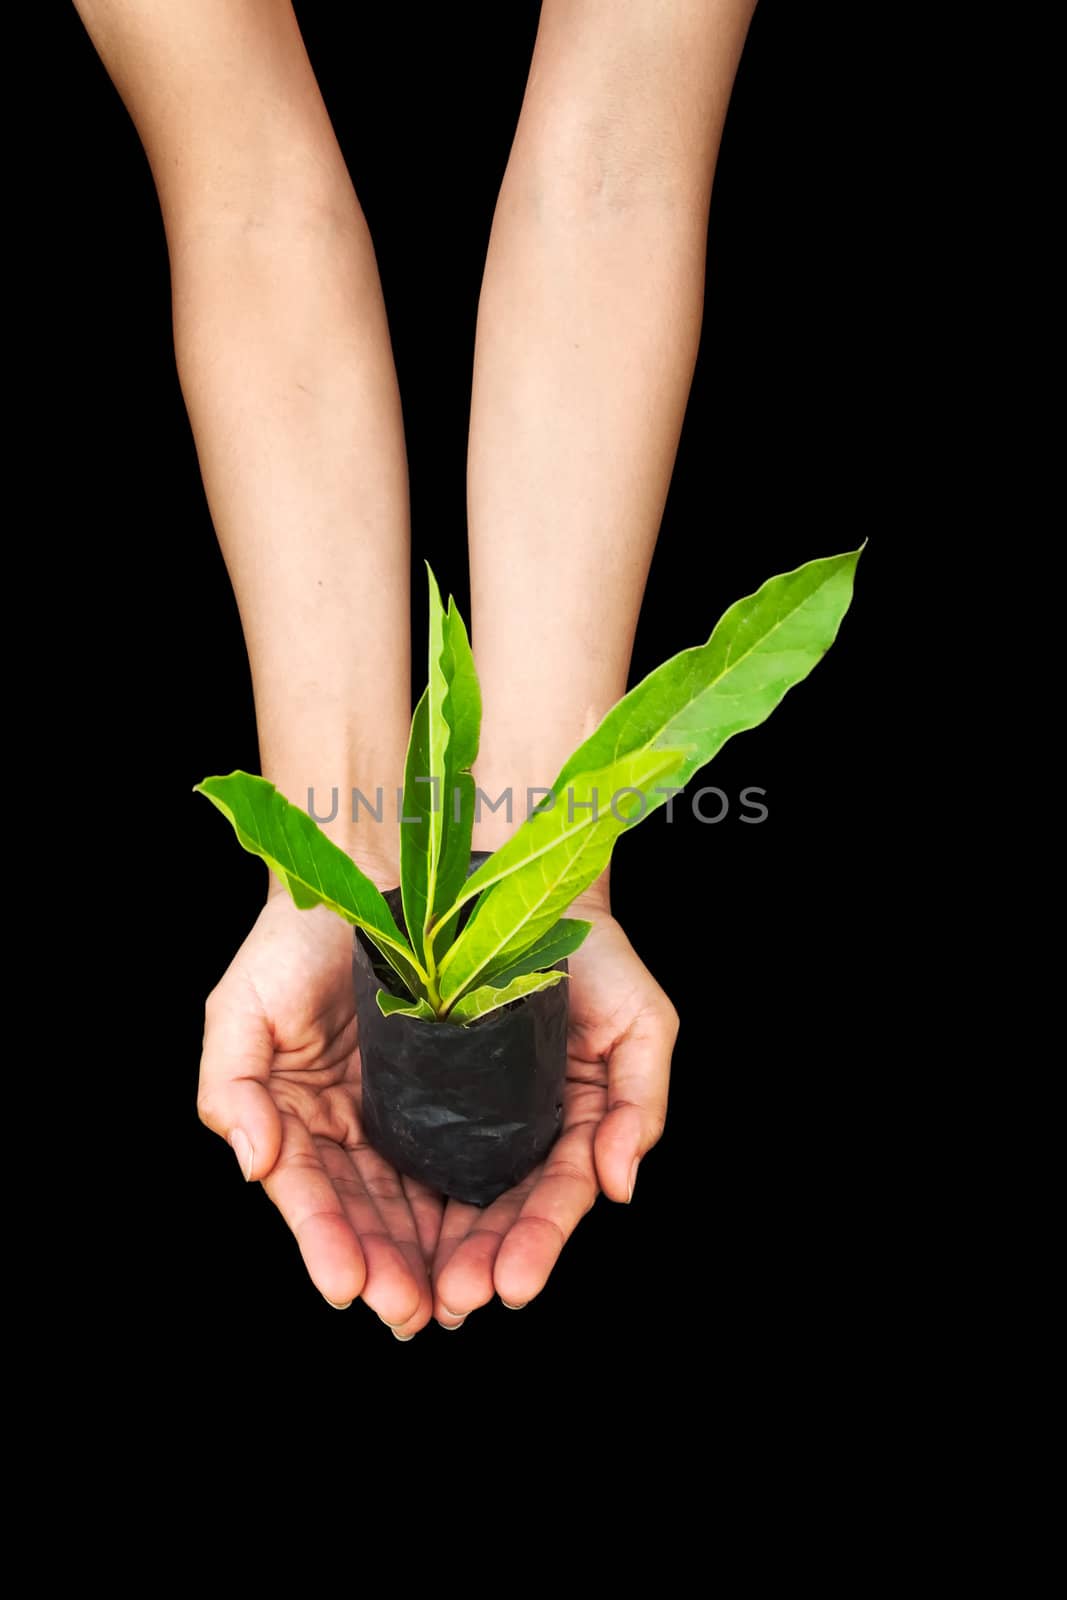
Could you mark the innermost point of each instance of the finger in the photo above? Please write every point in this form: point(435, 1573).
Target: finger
point(397, 1287)
point(471, 1240)
point(304, 1194)
point(467, 1251)
point(639, 1071)
point(458, 1220)
point(564, 1192)
point(234, 1068)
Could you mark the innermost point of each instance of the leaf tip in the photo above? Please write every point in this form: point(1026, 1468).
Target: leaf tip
point(435, 588)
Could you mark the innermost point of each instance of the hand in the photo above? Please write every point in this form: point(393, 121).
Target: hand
point(280, 1079)
point(622, 1033)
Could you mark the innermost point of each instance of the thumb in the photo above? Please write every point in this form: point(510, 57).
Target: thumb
point(235, 1067)
point(639, 1070)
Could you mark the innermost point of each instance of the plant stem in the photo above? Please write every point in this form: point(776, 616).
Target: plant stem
point(432, 992)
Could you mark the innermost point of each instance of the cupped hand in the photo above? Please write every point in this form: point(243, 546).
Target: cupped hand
point(280, 1079)
point(621, 1037)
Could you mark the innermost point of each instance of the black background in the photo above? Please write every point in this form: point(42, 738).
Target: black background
point(739, 1269)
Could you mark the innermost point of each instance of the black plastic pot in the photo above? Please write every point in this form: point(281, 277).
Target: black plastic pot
point(469, 1111)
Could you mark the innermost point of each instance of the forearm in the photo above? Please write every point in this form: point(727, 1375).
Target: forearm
point(587, 336)
point(286, 368)
point(285, 363)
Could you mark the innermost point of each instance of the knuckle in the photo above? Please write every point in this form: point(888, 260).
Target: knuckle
point(576, 1175)
point(212, 1006)
point(654, 1127)
point(207, 1109)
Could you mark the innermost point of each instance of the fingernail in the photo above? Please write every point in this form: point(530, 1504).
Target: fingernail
point(403, 1337)
point(450, 1327)
point(633, 1179)
point(342, 1306)
point(509, 1305)
point(241, 1145)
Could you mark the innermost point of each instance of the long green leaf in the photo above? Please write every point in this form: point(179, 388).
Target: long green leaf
point(416, 825)
point(695, 702)
point(463, 713)
point(438, 733)
point(758, 650)
point(560, 941)
point(314, 869)
point(438, 786)
point(551, 858)
point(481, 1001)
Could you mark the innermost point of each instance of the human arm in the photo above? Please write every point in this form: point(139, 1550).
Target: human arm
point(588, 328)
point(285, 364)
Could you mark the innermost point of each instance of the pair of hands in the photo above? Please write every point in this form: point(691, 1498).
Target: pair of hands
point(280, 1079)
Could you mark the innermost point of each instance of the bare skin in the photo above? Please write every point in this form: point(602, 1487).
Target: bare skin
point(286, 366)
point(588, 327)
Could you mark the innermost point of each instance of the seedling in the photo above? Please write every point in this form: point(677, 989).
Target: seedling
point(455, 969)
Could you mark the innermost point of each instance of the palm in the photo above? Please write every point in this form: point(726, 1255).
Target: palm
point(622, 1031)
point(281, 1063)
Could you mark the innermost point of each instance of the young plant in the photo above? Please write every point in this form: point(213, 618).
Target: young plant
point(647, 748)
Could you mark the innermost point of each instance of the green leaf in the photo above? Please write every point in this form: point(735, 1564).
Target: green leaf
point(438, 727)
point(438, 786)
point(481, 1001)
point(394, 1005)
point(415, 835)
point(463, 712)
point(560, 941)
point(314, 869)
point(759, 649)
point(546, 863)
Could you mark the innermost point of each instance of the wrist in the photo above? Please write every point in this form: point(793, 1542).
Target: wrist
point(383, 873)
point(374, 848)
point(354, 802)
point(515, 802)
point(594, 903)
